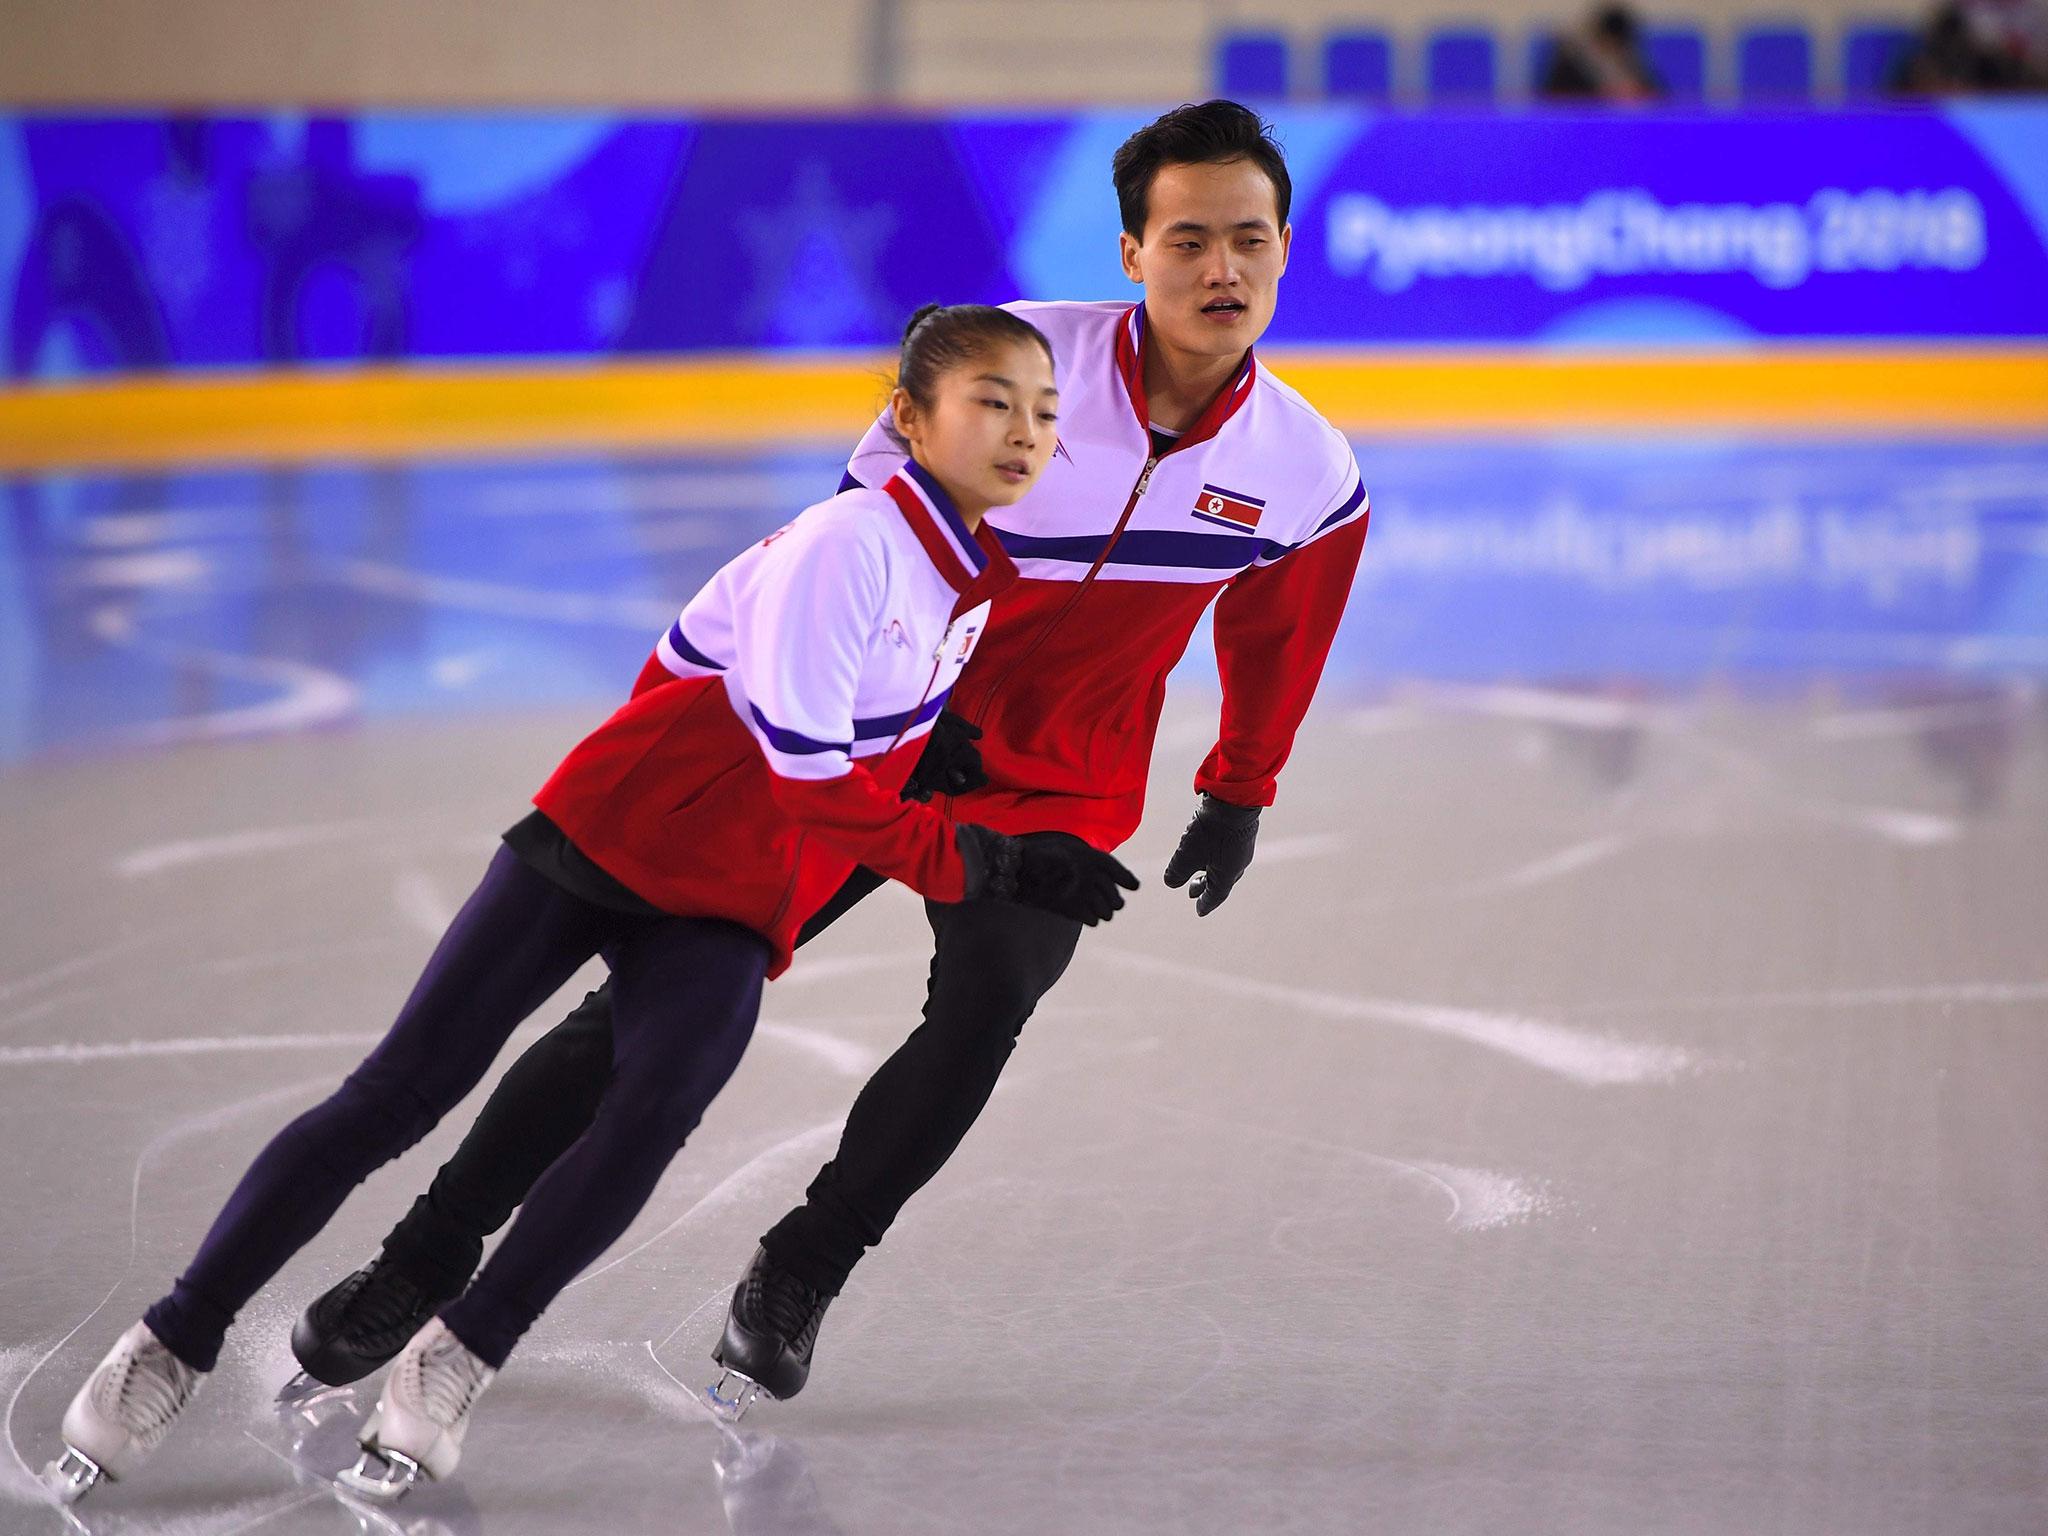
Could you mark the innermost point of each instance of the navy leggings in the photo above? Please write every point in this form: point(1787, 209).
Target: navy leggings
point(685, 993)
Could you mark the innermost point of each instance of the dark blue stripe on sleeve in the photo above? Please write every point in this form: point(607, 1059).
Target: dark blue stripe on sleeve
point(680, 644)
point(1350, 506)
point(890, 725)
point(795, 742)
point(1273, 552)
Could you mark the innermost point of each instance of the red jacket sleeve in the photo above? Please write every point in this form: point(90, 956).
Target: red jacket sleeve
point(1274, 625)
point(899, 838)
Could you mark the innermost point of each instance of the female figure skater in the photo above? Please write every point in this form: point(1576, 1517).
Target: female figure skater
point(757, 763)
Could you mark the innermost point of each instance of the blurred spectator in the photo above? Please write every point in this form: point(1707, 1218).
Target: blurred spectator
point(1978, 45)
point(1602, 60)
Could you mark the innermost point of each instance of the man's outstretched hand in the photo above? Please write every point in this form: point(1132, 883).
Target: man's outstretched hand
point(1214, 852)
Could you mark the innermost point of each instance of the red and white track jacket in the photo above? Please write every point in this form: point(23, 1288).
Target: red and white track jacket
point(762, 753)
point(1258, 506)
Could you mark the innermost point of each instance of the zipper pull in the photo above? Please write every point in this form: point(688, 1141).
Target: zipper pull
point(1145, 479)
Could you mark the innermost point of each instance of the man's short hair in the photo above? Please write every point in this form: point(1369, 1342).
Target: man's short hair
point(1208, 133)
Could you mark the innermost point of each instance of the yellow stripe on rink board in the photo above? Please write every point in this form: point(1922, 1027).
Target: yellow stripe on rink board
point(423, 411)
point(400, 412)
point(1779, 391)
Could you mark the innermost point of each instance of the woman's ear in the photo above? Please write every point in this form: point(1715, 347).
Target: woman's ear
point(903, 411)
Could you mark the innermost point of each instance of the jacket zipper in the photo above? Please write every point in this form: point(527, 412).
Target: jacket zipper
point(1130, 506)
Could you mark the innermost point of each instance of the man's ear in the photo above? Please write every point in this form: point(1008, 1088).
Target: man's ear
point(1129, 250)
point(1286, 245)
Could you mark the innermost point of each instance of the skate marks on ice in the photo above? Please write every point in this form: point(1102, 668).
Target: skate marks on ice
point(21, 1482)
point(1943, 995)
point(1557, 865)
point(1901, 826)
point(64, 970)
point(421, 902)
point(1604, 713)
point(842, 1057)
point(307, 696)
point(1481, 1200)
point(250, 842)
point(742, 1180)
point(78, 1053)
point(764, 1482)
point(1587, 1057)
point(501, 600)
point(316, 1445)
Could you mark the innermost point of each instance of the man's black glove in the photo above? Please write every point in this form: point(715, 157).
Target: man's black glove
point(951, 762)
point(1216, 849)
point(1054, 871)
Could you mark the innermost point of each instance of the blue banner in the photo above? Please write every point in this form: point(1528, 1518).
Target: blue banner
point(156, 242)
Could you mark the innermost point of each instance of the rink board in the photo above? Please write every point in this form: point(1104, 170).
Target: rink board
point(679, 403)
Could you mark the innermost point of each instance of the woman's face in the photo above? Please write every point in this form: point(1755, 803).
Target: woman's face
point(991, 428)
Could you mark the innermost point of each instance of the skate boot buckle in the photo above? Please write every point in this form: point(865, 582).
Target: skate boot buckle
point(72, 1476)
point(380, 1474)
point(731, 1396)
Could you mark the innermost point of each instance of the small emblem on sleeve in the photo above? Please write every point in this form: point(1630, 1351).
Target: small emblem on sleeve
point(1228, 509)
point(966, 643)
point(897, 634)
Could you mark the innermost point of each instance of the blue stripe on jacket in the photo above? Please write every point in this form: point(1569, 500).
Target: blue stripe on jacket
point(680, 644)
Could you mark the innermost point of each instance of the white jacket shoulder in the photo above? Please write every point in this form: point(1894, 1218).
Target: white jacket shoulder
point(1292, 404)
point(1072, 311)
point(1061, 319)
point(856, 525)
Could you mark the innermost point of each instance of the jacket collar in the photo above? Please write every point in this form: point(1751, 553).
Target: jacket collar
point(963, 558)
point(1130, 365)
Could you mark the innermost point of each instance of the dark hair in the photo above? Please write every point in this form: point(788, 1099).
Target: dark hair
point(941, 337)
point(1211, 133)
point(1617, 22)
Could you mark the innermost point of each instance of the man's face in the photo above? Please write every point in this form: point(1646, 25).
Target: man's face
point(1211, 259)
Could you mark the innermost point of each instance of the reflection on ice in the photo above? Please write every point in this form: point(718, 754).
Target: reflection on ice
point(767, 1488)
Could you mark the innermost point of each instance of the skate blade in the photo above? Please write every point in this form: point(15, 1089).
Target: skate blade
point(731, 1396)
point(312, 1401)
point(381, 1475)
point(298, 1389)
point(72, 1476)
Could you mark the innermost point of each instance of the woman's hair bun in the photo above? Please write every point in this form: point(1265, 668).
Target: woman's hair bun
point(923, 313)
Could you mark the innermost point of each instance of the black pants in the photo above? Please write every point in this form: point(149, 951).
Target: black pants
point(687, 989)
point(991, 964)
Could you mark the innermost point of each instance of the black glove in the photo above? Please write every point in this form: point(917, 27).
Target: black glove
point(1216, 849)
point(1053, 871)
point(950, 764)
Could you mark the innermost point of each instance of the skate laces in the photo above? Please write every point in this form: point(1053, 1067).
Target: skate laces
point(385, 1302)
point(790, 1308)
point(145, 1391)
point(445, 1379)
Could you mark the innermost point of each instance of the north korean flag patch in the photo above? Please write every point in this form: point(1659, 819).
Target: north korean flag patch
point(1227, 509)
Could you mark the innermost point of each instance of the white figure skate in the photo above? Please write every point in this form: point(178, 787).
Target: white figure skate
point(121, 1414)
point(421, 1417)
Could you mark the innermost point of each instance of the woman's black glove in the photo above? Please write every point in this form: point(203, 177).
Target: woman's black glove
point(951, 762)
point(1216, 849)
point(1053, 871)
